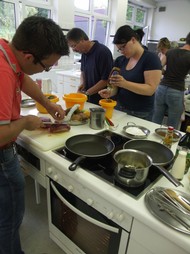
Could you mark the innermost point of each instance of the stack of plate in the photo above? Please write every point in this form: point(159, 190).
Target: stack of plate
point(173, 210)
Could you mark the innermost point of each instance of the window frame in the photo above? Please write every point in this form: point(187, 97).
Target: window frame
point(91, 14)
point(133, 22)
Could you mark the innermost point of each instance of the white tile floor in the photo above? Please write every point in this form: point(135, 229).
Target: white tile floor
point(34, 229)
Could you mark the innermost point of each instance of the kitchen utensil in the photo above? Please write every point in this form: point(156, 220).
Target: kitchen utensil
point(161, 132)
point(97, 118)
point(160, 154)
point(132, 167)
point(134, 131)
point(108, 106)
point(178, 198)
point(88, 146)
point(165, 211)
point(75, 98)
point(26, 103)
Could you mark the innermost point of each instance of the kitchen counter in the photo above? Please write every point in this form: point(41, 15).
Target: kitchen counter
point(135, 208)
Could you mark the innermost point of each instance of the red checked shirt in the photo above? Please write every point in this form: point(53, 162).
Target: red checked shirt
point(11, 78)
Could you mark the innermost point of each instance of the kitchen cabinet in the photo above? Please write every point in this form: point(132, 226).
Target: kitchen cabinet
point(68, 81)
point(145, 240)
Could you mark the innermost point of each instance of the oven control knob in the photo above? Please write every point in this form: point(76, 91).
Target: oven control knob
point(70, 188)
point(120, 217)
point(89, 201)
point(110, 215)
point(50, 170)
point(55, 177)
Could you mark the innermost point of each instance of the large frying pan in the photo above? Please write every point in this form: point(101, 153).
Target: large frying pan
point(88, 146)
point(160, 154)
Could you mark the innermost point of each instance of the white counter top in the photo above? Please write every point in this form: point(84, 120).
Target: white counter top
point(133, 207)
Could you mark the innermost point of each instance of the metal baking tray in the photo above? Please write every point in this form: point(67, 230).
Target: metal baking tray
point(166, 212)
point(26, 103)
point(161, 132)
point(130, 126)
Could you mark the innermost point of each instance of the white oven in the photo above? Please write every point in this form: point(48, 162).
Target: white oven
point(81, 221)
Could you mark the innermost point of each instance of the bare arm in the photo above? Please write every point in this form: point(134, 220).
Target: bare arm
point(152, 80)
point(97, 87)
point(10, 131)
point(32, 89)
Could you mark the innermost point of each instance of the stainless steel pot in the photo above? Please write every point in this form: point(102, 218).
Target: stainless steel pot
point(132, 167)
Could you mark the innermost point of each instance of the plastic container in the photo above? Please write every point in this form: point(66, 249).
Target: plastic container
point(43, 110)
point(178, 168)
point(108, 105)
point(75, 98)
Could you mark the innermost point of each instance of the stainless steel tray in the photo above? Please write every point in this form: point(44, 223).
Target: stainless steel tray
point(166, 212)
point(132, 125)
point(161, 132)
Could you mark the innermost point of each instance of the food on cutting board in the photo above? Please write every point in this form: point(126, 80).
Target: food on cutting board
point(54, 127)
point(79, 115)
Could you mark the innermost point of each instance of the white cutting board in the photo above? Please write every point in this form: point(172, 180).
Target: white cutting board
point(44, 140)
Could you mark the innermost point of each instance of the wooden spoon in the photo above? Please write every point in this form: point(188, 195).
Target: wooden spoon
point(172, 194)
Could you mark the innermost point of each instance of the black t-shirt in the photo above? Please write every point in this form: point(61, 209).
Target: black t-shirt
point(128, 99)
point(177, 67)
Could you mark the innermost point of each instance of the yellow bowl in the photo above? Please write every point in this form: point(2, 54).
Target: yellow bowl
point(75, 98)
point(43, 110)
point(108, 105)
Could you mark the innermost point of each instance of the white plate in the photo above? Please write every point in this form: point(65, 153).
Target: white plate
point(136, 131)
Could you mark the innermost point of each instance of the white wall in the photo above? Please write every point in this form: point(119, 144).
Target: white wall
point(174, 23)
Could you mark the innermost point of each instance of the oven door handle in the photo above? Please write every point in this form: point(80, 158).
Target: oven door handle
point(84, 216)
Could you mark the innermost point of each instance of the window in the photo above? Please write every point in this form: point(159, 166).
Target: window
point(92, 16)
point(12, 12)
point(136, 16)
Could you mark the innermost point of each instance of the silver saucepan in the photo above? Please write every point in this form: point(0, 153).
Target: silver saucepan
point(159, 153)
point(132, 167)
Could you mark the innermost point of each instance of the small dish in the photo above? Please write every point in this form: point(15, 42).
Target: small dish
point(26, 103)
point(134, 131)
point(76, 122)
point(161, 132)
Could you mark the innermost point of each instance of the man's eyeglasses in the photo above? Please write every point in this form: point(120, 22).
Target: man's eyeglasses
point(122, 48)
point(46, 68)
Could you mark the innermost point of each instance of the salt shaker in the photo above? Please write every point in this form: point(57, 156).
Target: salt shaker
point(178, 168)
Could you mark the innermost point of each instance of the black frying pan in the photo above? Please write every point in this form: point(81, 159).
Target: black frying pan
point(160, 154)
point(88, 146)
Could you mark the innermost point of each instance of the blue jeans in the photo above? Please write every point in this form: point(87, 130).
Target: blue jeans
point(147, 115)
point(11, 201)
point(168, 101)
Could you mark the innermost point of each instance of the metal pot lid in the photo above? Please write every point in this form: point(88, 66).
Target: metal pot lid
point(166, 211)
point(26, 103)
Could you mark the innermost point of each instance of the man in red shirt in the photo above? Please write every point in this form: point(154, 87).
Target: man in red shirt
point(36, 46)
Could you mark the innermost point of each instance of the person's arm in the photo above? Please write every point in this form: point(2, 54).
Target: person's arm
point(97, 87)
point(32, 89)
point(10, 131)
point(152, 79)
point(81, 88)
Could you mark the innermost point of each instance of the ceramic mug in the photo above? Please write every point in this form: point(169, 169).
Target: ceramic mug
point(46, 86)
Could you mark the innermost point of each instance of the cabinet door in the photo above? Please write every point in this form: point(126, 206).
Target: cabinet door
point(136, 248)
point(70, 88)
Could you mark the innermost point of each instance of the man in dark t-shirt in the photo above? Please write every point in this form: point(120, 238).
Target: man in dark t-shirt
point(96, 63)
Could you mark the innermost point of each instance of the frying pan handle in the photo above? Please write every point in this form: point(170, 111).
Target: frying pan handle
point(170, 177)
point(75, 163)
